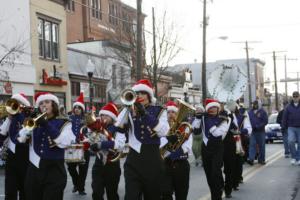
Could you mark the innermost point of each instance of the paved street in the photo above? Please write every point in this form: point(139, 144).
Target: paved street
point(277, 180)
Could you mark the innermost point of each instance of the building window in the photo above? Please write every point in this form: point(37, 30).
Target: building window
point(113, 76)
point(71, 5)
point(48, 39)
point(75, 88)
point(113, 14)
point(96, 9)
point(122, 74)
point(125, 22)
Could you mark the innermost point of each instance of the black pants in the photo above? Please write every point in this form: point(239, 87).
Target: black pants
point(15, 173)
point(47, 182)
point(212, 157)
point(245, 143)
point(239, 170)
point(230, 162)
point(177, 176)
point(142, 172)
point(78, 177)
point(105, 178)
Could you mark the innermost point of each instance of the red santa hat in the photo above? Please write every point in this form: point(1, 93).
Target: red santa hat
point(21, 98)
point(111, 110)
point(145, 85)
point(42, 96)
point(80, 101)
point(171, 106)
point(209, 103)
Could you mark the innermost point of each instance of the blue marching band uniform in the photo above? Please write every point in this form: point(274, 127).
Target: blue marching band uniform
point(35, 165)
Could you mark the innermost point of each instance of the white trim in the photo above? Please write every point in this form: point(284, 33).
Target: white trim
point(172, 108)
point(47, 97)
point(212, 104)
point(106, 112)
point(143, 87)
point(21, 99)
point(77, 103)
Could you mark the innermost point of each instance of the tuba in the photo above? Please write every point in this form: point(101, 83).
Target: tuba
point(228, 83)
point(179, 128)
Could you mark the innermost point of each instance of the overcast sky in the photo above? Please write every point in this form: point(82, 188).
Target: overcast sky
point(276, 23)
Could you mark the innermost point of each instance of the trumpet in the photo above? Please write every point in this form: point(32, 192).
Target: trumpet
point(11, 107)
point(31, 123)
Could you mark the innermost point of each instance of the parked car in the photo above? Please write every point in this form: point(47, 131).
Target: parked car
point(273, 129)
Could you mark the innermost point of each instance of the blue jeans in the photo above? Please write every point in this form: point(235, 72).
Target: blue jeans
point(293, 137)
point(257, 138)
point(285, 142)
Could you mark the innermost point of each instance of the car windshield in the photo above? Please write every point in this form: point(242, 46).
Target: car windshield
point(272, 119)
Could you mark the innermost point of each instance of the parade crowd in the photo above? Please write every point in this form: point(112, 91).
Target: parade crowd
point(40, 145)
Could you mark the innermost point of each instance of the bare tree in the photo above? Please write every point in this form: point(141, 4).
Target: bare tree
point(166, 50)
point(10, 53)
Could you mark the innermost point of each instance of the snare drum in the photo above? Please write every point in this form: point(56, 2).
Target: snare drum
point(74, 154)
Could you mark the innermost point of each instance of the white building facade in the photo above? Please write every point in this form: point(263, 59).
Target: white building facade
point(17, 73)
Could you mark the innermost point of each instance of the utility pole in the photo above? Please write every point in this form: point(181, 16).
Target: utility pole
point(298, 81)
point(285, 73)
point(154, 54)
point(248, 73)
point(204, 87)
point(275, 78)
point(248, 68)
point(139, 40)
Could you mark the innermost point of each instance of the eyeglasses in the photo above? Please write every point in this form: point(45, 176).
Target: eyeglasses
point(295, 96)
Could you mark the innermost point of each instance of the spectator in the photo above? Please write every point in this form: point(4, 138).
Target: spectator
point(284, 131)
point(291, 122)
point(259, 119)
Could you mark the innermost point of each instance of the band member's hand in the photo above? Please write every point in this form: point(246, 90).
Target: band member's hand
point(172, 138)
point(199, 115)
point(244, 131)
point(140, 108)
point(95, 147)
point(42, 121)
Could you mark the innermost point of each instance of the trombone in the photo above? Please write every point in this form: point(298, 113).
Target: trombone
point(31, 123)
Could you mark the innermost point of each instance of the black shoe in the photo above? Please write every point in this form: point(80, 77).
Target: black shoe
point(74, 189)
point(241, 180)
point(228, 196)
point(250, 162)
point(236, 189)
point(82, 193)
point(262, 162)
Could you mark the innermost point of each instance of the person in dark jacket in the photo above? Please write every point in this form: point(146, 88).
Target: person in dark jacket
point(291, 122)
point(284, 131)
point(259, 119)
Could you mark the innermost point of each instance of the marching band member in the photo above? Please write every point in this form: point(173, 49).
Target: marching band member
point(197, 135)
point(145, 124)
point(105, 173)
point(46, 174)
point(77, 119)
point(245, 128)
point(177, 167)
point(17, 158)
point(214, 128)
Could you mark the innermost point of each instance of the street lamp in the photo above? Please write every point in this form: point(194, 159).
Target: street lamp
point(90, 68)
